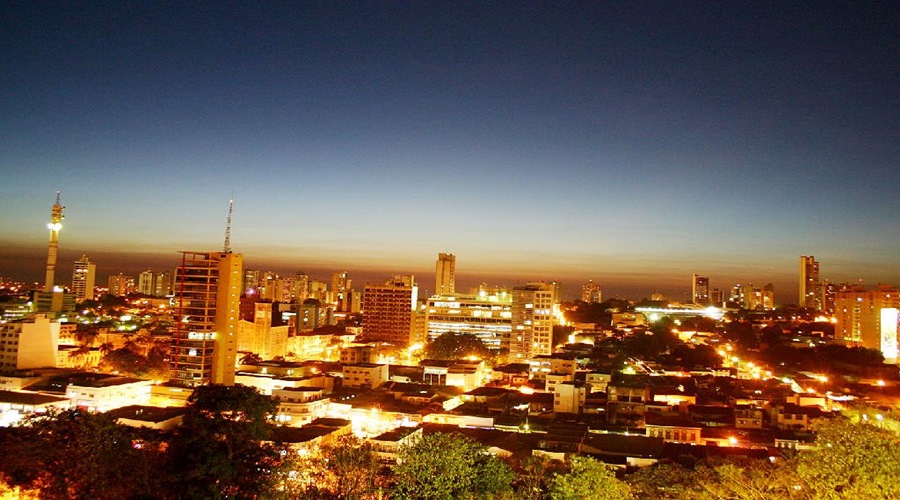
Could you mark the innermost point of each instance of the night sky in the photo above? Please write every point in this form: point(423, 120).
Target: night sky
point(631, 143)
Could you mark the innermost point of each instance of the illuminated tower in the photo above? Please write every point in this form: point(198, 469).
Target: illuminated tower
point(56, 218)
point(340, 290)
point(83, 279)
point(810, 288)
point(699, 290)
point(207, 300)
point(445, 274)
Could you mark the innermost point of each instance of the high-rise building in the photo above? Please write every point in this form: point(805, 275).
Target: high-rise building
point(858, 314)
point(389, 310)
point(590, 292)
point(146, 285)
point(810, 287)
point(302, 284)
point(207, 300)
point(120, 284)
point(340, 290)
point(445, 274)
point(532, 321)
point(162, 284)
point(251, 282)
point(699, 290)
point(83, 279)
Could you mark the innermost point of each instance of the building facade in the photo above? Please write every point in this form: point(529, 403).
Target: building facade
point(532, 321)
point(207, 302)
point(83, 276)
point(389, 311)
point(858, 314)
point(487, 316)
point(699, 290)
point(445, 274)
point(810, 287)
point(590, 292)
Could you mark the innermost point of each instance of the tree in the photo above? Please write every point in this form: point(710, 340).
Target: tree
point(75, 454)
point(447, 466)
point(852, 460)
point(218, 451)
point(452, 345)
point(354, 466)
point(588, 479)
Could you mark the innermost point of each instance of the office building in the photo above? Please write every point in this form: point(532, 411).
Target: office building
point(207, 301)
point(445, 274)
point(83, 276)
point(389, 311)
point(488, 316)
point(532, 321)
point(590, 292)
point(810, 287)
point(699, 290)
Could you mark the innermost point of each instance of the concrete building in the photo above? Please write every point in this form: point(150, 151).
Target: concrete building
point(365, 375)
point(487, 316)
point(569, 397)
point(445, 274)
point(30, 343)
point(120, 284)
point(810, 287)
point(590, 292)
point(532, 321)
point(261, 336)
point(699, 290)
point(83, 276)
point(207, 300)
point(389, 311)
point(858, 313)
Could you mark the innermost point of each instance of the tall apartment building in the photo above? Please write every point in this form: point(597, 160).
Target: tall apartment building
point(445, 274)
point(590, 292)
point(389, 311)
point(487, 316)
point(810, 287)
point(532, 321)
point(120, 284)
point(858, 312)
point(146, 283)
point(207, 301)
point(83, 276)
point(699, 290)
point(162, 284)
point(340, 290)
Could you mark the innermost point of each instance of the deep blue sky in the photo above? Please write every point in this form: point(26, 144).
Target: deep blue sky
point(632, 143)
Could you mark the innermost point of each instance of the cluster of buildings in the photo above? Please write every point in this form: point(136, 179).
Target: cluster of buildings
point(229, 325)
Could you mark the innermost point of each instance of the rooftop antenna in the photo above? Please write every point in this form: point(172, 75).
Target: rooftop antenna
point(227, 248)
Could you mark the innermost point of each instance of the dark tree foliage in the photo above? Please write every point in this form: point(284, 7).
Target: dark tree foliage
point(452, 345)
point(75, 454)
point(217, 451)
point(448, 466)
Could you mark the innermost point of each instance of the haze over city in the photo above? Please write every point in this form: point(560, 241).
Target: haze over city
point(631, 144)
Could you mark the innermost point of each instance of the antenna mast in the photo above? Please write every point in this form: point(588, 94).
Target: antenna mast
point(228, 227)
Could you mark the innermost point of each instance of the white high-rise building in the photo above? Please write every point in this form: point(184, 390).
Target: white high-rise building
point(532, 321)
point(810, 287)
point(83, 277)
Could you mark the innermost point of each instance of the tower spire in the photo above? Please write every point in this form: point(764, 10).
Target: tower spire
point(227, 247)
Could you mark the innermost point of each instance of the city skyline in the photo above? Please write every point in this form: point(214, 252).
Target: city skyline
point(632, 145)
